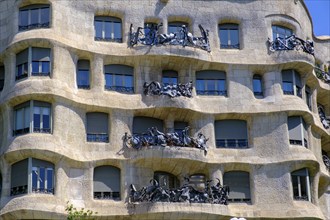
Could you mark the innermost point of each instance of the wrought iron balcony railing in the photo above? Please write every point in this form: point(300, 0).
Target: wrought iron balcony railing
point(153, 137)
point(33, 26)
point(232, 143)
point(21, 76)
point(42, 130)
point(98, 138)
point(151, 36)
point(21, 131)
point(40, 73)
point(322, 75)
point(325, 120)
point(175, 90)
point(18, 190)
point(326, 161)
point(216, 194)
point(291, 43)
point(121, 89)
point(107, 195)
point(43, 190)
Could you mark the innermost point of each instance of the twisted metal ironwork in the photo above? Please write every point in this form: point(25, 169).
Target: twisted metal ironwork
point(175, 90)
point(214, 194)
point(291, 43)
point(325, 120)
point(153, 137)
point(326, 161)
point(322, 75)
point(151, 36)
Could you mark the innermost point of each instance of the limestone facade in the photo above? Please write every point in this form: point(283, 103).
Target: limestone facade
point(269, 159)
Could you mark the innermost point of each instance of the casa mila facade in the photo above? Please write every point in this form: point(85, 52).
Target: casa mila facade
point(163, 109)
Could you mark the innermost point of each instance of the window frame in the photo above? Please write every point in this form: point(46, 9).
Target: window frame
point(228, 28)
point(240, 184)
point(97, 137)
point(297, 90)
point(107, 195)
point(303, 131)
point(32, 126)
point(219, 78)
point(81, 67)
point(300, 175)
point(121, 72)
point(30, 10)
point(231, 143)
point(112, 20)
point(286, 30)
point(257, 94)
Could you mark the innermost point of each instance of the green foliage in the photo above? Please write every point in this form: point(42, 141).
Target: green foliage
point(75, 214)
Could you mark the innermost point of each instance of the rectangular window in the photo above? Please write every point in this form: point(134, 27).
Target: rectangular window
point(301, 184)
point(41, 119)
point(239, 184)
point(83, 67)
point(298, 134)
point(34, 16)
point(40, 61)
point(119, 78)
point(229, 36)
point(226, 138)
point(257, 85)
point(281, 32)
point(22, 64)
point(97, 127)
point(211, 82)
point(108, 29)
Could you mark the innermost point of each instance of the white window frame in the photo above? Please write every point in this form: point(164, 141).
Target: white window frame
point(308, 190)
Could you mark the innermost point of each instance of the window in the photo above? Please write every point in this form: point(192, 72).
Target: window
point(97, 127)
point(211, 82)
point(308, 97)
point(257, 86)
point(106, 180)
point(176, 27)
point(119, 78)
point(42, 177)
point(301, 185)
point(83, 74)
point(239, 184)
point(34, 16)
point(142, 124)
point(281, 32)
point(38, 120)
point(298, 134)
point(2, 77)
point(170, 77)
point(38, 65)
point(166, 180)
point(108, 29)
point(229, 36)
point(179, 127)
point(231, 134)
point(291, 83)
point(149, 33)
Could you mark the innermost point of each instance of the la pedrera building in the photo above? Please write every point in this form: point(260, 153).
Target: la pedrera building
point(163, 109)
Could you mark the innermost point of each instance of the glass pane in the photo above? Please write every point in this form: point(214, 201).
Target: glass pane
point(35, 177)
point(26, 117)
point(173, 29)
point(50, 178)
point(42, 178)
point(200, 85)
point(257, 85)
point(34, 16)
point(288, 87)
point(223, 37)
point(44, 15)
point(83, 77)
point(108, 79)
point(211, 86)
point(118, 80)
point(19, 119)
point(222, 85)
point(45, 67)
point(117, 30)
point(35, 66)
point(46, 120)
point(107, 30)
point(128, 81)
point(36, 117)
point(234, 38)
point(23, 18)
point(98, 29)
point(303, 186)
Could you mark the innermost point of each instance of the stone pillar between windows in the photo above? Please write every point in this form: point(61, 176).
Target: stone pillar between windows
point(205, 125)
point(97, 76)
point(272, 86)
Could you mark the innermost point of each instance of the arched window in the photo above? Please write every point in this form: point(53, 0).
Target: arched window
point(170, 77)
point(106, 181)
point(83, 73)
point(281, 32)
point(291, 83)
point(97, 127)
point(229, 36)
point(239, 184)
point(257, 86)
point(119, 78)
point(211, 82)
point(298, 134)
point(34, 16)
point(108, 29)
point(42, 177)
point(32, 116)
point(231, 134)
point(166, 180)
point(301, 185)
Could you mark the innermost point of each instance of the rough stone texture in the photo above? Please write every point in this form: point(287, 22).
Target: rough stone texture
point(269, 158)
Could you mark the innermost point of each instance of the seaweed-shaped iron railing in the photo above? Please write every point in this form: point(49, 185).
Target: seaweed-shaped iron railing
point(150, 36)
point(215, 194)
point(171, 90)
point(325, 120)
point(291, 43)
point(322, 75)
point(154, 137)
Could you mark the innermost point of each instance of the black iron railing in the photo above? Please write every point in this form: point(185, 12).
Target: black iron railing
point(107, 195)
point(18, 190)
point(232, 143)
point(175, 90)
point(291, 43)
point(121, 89)
point(322, 75)
point(43, 190)
point(33, 26)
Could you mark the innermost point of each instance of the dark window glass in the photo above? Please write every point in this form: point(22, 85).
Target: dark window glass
point(2, 77)
point(83, 74)
point(281, 32)
point(229, 36)
point(288, 88)
point(108, 29)
point(211, 82)
point(257, 85)
point(119, 78)
point(300, 184)
point(34, 16)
